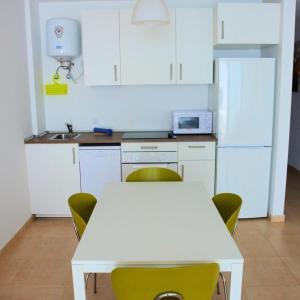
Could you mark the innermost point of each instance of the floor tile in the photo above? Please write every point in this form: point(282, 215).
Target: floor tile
point(293, 263)
point(30, 292)
point(286, 245)
point(267, 272)
point(273, 293)
point(255, 246)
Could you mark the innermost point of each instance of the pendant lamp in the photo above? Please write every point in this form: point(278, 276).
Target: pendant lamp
point(150, 12)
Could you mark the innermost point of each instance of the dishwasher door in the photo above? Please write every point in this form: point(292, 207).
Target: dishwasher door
point(99, 166)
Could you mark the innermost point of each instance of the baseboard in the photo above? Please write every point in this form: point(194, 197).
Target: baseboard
point(54, 216)
point(19, 232)
point(277, 219)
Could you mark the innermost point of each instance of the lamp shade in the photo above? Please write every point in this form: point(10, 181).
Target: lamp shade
point(150, 12)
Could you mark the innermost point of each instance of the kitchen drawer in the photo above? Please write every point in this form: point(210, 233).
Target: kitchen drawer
point(146, 147)
point(196, 150)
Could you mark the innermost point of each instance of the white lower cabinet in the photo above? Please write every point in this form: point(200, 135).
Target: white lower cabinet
point(54, 175)
point(196, 162)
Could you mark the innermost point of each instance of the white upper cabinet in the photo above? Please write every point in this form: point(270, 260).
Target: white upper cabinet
point(194, 45)
point(148, 53)
point(101, 47)
point(246, 24)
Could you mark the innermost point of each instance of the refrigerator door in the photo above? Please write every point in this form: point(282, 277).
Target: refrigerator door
point(245, 101)
point(246, 172)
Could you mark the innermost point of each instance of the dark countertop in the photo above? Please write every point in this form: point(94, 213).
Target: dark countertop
point(116, 138)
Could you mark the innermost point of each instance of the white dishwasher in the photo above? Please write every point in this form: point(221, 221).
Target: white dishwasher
point(99, 165)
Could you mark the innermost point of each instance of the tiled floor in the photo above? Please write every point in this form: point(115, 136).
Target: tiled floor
point(37, 264)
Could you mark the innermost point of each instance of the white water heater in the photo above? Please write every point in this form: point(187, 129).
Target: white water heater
point(63, 39)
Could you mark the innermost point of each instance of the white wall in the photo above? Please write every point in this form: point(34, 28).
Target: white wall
point(15, 120)
point(294, 150)
point(34, 57)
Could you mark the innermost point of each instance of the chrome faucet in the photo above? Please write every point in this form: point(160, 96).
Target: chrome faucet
point(70, 128)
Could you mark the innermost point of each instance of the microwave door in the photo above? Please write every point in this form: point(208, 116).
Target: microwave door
point(188, 123)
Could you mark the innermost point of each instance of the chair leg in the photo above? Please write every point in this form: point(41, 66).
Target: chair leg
point(225, 286)
point(95, 283)
point(218, 288)
point(87, 277)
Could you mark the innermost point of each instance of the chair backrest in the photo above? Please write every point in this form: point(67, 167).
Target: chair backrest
point(81, 206)
point(229, 206)
point(153, 174)
point(196, 282)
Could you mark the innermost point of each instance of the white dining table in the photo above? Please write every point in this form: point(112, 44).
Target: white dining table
point(161, 224)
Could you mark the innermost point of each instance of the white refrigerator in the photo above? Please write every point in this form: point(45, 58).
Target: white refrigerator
point(243, 106)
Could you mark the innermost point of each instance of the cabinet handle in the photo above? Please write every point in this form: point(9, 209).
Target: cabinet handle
point(223, 30)
point(149, 147)
point(197, 147)
point(116, 72)
point(74, 156)
point(181, 69)
point(171, 72)
point(182, 172)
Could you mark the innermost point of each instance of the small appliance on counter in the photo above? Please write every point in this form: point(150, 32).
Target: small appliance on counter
point(192, 122)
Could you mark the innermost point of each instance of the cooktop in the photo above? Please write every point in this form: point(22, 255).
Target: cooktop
point(132, 135)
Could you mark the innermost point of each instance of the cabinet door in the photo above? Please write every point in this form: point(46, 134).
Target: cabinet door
point(194, 43)
point(251, 23)
point(53, 172)
point(202, 171)
point(147, 52)
point(101, 47)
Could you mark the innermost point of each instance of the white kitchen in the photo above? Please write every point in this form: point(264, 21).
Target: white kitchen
point(152, 143)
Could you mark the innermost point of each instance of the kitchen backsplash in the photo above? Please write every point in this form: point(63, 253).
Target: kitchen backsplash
point(122, 108)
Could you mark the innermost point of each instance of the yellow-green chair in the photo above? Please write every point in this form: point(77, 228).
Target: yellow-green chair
point(196, 282)
point(153, 174)
point(229, 206)
point(82, 206)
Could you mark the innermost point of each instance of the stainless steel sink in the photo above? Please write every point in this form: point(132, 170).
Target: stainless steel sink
point(65, 136)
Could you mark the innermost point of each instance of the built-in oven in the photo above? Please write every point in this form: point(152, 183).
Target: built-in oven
point(141, 155)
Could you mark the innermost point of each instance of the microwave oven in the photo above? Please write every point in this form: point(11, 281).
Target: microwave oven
point(192, 122)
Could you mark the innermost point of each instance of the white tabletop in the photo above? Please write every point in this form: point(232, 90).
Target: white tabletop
point(156, 224)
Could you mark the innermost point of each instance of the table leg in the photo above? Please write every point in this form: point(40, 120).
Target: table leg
point(236, 282)
point(78, 282)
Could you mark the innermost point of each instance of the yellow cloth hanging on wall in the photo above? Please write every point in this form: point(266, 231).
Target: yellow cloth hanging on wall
point(56, 88)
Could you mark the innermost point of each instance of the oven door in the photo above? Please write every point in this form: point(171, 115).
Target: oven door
point(129, 168)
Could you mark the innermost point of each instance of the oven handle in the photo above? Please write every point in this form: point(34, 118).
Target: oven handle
point(159, 165)
point(197, 147)
point(149, 147)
